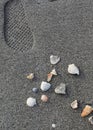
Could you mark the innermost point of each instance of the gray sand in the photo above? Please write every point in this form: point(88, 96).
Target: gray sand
point(63, 28)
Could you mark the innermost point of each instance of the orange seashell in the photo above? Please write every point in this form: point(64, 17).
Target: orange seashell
point(86, 111)
point(49, 77)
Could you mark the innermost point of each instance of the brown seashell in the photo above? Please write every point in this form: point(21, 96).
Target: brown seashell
point(49, 77)
point(30, 76)
point(86, 111)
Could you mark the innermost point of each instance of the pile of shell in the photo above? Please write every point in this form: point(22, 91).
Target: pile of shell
point(60, 89)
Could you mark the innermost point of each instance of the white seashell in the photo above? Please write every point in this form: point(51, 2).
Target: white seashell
point(61, 89)
point(91, 120)
point(53, 125)
point(45, 86)
point(54, 59)
point(31, 102)
point(54, 72)
point(30, 76)
point(74, 104)
point(73, 69)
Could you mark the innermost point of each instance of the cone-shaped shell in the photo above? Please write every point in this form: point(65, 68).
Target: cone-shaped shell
point(86, 111)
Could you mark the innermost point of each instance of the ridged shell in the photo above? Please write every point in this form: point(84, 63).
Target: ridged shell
point(86, 111)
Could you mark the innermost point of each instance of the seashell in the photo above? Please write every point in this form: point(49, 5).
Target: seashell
point(45, 86)
point(61, 89)
point(91, 120)
point(54, 72)
point(30, 76)
point(31, 102)
point(35, 90)
point(49, 77)
point(51, 74)
point(44, 98)
point(74, 104)
point(86, 111)
point(73, 69)
point(53, 125)
point(54, 59)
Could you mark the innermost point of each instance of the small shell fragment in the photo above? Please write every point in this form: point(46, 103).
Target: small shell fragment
point(31, 102)
point(61, 89)
point(73, 69)
point(54, 72)
point(54, 59)
point(44, 98)
point(49, 77)
point(51, 74)
point(91, 120)
point(86, 111)
point(30, 76)
point(74, 104)
point(45, 86)
point(53, 125)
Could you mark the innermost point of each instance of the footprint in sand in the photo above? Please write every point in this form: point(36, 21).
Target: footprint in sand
point(17, 33)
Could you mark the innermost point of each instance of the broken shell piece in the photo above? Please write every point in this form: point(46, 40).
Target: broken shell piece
point(49, 77)
point(53, 125)
point(44, 98)
point(86, 111)
point(54, 59)
point(51, 74)
point(45, 86)
point(74, 104)
point(31, 102)
point(61, 89)
point(91, 120)
point(73, 69)
point(30, 76)
point(54, 72)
